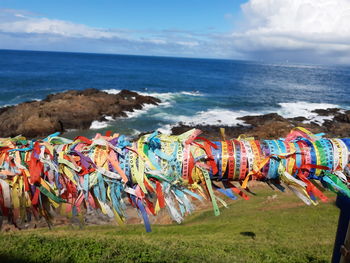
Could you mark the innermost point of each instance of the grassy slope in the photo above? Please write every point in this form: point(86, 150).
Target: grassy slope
point(286, 231)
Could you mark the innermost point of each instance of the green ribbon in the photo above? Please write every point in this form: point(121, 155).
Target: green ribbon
point(339, 185)
point(211, 192)
point(51, 195)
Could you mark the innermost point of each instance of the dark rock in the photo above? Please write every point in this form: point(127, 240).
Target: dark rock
point(298, 119)
point(260, 119)
point(74, 109)
point(326, 112)
point(338, 129)
point(343, 117)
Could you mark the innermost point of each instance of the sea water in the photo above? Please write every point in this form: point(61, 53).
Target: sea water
point(192, 91)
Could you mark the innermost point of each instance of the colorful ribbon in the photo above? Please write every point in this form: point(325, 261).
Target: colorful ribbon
point(159, 171)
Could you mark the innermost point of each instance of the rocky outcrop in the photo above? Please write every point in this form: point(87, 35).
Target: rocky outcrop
point(68, 110)
point(78, 109)
point(273, 126)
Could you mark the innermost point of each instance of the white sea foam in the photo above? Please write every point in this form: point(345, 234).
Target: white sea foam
point(319, 119)
point(210, 117)
point(112, 91)
point(192, 93)
point(137, 113)
point(304, 109)
point(135, 132)
point(164, 96)
point(216, 116)
point(213, 116)
point(95, 125)
point(165, 129)
point(109, 118)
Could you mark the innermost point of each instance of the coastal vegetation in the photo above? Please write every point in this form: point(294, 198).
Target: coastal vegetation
point(270, 227)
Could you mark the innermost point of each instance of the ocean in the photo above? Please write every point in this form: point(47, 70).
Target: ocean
point(193, 91)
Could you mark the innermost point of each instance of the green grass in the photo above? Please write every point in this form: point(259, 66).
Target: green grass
point(285, 231)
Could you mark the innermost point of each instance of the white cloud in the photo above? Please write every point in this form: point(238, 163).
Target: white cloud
point(23, 30)
point(55, 27)
point(319, 29)
point(14, 21)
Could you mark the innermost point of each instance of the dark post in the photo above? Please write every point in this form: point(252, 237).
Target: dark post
point(341, 252)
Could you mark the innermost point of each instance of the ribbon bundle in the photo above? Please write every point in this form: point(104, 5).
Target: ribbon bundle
point(159, 171)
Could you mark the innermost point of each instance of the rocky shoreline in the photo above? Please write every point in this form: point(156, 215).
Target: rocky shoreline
point(72, 109)
point(78, 109)
point(336, 123)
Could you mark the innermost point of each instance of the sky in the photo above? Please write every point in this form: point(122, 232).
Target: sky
point(308, 31)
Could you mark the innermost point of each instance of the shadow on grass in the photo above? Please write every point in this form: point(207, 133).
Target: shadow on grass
point(11, 258)
point(248, 234)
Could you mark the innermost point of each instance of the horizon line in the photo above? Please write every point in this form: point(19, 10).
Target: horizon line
point(286, 62)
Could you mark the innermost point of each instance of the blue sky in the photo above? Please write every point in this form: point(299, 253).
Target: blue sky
point(316, 31)
point(145, 14)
